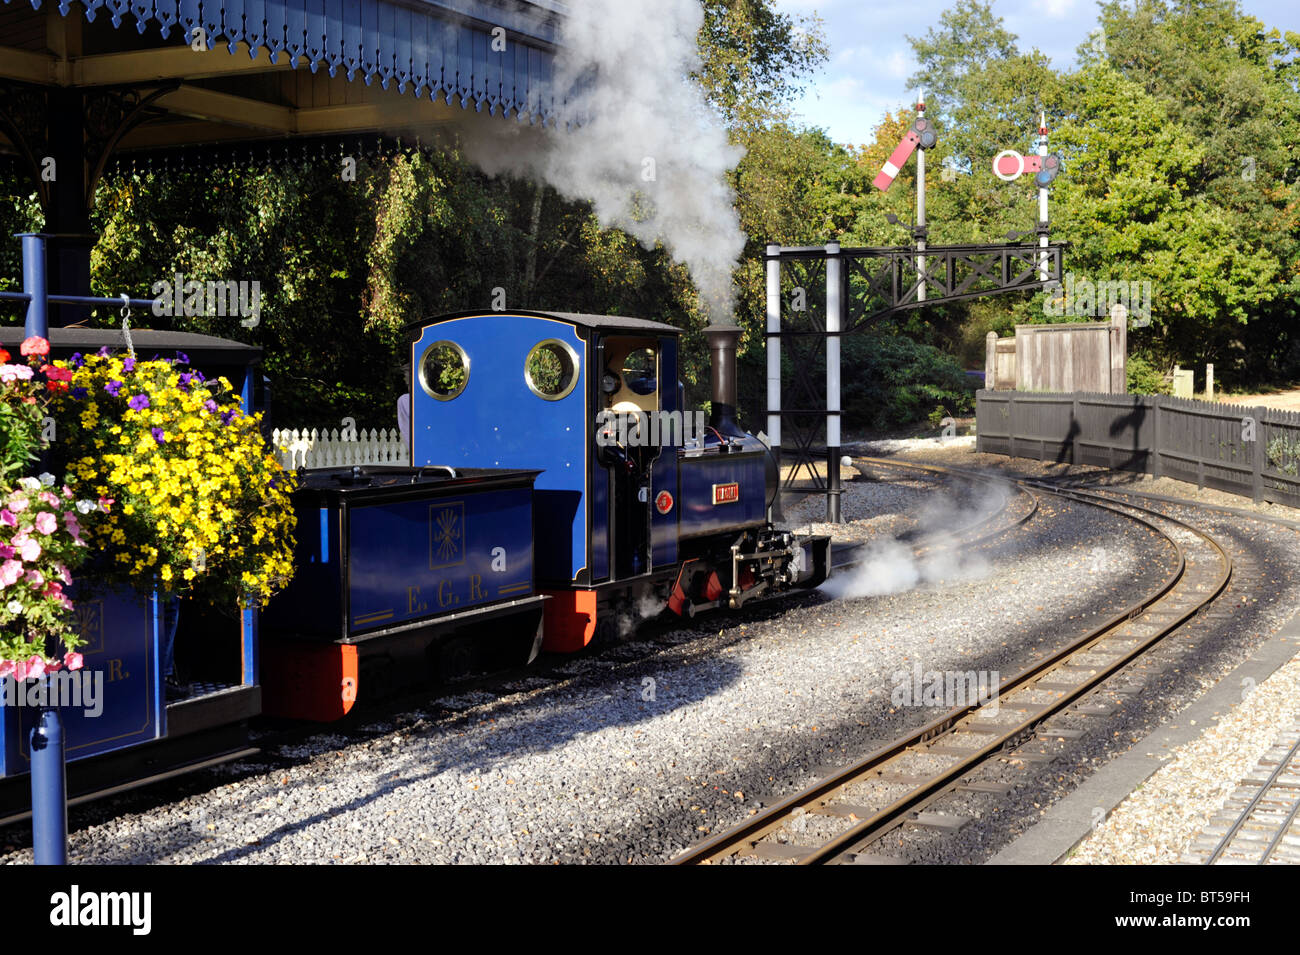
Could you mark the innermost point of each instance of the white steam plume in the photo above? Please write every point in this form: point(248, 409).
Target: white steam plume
point(647, 150)
point(890, 567)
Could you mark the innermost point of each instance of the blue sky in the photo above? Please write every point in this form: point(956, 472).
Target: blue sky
point(870, 58)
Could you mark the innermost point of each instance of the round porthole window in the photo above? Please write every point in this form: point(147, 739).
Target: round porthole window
point(639, 371)
point(444, 370)
point(551, 369)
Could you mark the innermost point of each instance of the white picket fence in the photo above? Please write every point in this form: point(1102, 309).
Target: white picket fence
point(315, 448)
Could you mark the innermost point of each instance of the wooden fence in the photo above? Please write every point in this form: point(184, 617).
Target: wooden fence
point(1073, 356)
point(1254, 452)
point(329, 449)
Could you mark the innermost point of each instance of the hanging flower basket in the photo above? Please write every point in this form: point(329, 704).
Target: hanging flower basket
point(198, 499)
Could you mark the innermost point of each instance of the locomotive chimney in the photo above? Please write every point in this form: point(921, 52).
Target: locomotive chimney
point(722, 349)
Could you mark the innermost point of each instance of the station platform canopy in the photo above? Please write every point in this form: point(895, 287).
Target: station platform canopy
point(258, 68)
point(83, 83)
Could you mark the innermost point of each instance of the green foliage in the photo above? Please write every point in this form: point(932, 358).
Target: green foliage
point(887, 380)
point(1144, 378)
point(1283, 454)
point(20, 434)
point(892, 380)
point(1179, 135)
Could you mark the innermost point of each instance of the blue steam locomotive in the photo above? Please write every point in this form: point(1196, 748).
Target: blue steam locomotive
point(559, 491)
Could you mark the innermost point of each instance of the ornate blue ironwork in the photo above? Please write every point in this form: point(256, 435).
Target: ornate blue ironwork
point(442, 48)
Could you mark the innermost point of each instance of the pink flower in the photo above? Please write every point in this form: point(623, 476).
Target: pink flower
point(64, 602)
point(70, 522)
point(73, 660)
point(29, 549)
point(62, 571)
point(6, 668)
point(35, 579)
point(15, 373)
point(45, 522)
point(52, 665)
point(20, 671)
point(47, 498)
point(10, 571)
point(35, 345)
point(17, 502)
point(6, 551)
point(7, 517)
point(105, 503)
point(35, 667)
point(67, 492)
point(52, 589)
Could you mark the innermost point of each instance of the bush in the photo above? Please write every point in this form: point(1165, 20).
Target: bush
point(886, 381)
point(1144, 378)
point(891, 380)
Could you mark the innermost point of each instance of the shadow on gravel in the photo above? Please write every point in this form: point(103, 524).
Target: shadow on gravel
point(595, 697)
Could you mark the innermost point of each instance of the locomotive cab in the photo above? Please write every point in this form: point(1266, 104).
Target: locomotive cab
point(628, 435)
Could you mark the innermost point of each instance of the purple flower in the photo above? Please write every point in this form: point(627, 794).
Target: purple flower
point(158, 435)
point(103, 352)
point(198, 376)
point(184, 381)
point(77, 360)
point(79, 393)
point(211, 406)
point(228, 416)
point(113, 387)
point(128, 365)
point(182, 358)
point(138, 403)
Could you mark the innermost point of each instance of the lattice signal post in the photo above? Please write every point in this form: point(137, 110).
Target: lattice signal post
point(816, 294)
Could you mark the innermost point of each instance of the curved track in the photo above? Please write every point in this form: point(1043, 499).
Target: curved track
point(893, 785)
point(981, 529)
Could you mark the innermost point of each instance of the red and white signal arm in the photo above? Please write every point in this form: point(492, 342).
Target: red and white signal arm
point(1009, 165)
point(726, 493)
point(920, 133)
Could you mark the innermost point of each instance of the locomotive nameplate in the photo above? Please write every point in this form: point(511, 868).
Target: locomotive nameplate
point(726, 493)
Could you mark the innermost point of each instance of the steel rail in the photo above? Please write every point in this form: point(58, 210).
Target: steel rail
point(930, 539)
point(1249, 810)
point(747, 834)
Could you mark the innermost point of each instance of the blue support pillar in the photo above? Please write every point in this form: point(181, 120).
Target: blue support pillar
point(49, 790)
point(35, 285)
point(49, 769)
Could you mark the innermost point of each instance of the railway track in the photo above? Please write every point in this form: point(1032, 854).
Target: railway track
point(837, 819)
point(982, 528)
point(1260, 823)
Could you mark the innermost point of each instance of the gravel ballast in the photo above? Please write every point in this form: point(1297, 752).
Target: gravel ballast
point(633, 761)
